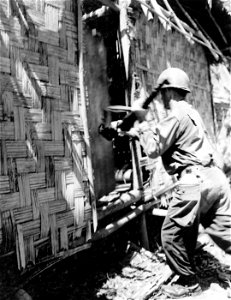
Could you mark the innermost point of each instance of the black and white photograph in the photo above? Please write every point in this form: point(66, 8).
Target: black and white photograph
point(115, 149)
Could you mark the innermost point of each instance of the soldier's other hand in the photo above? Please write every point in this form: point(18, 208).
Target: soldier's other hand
point(132, 133)
point(114, 124)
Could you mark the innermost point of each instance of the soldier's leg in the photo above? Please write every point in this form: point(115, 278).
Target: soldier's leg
point(217, 218)
point(180, 229)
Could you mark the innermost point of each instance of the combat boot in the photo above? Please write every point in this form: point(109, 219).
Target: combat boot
point(183, 287)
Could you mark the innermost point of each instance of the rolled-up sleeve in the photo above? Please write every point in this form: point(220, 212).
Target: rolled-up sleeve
point(156, 140)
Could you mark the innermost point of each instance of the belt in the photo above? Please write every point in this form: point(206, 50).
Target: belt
point(194, 168)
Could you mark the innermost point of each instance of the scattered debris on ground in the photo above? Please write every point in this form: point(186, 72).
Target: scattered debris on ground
point(132, 274)
point(145, 273)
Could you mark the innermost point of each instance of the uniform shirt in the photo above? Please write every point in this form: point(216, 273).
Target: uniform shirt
point(180, 139)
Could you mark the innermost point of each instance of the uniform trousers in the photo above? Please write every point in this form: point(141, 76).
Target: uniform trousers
point(203, 196)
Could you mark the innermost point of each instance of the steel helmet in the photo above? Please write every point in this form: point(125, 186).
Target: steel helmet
point(174, 78)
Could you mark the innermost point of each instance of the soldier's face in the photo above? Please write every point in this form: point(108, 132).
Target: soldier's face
point(166, 96)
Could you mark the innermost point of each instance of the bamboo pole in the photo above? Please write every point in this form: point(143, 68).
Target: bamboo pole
point(177, 20)
point(85, 117)
point(125, 200)
point(199, 32)
point(150, 198)
point(209, 38)
point(217, 26)
point(132, 197)
point(159, 11)
point(114, 226)
point(177, 28)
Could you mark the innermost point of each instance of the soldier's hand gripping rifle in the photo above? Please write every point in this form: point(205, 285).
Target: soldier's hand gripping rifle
point(128, 121)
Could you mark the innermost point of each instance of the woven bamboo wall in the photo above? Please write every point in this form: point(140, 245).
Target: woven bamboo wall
point(155, 49)
point(45, 209)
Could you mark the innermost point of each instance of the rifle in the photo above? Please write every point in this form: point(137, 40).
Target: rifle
point(128, 121)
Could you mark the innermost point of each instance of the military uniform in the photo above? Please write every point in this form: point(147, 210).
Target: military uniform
point(203, 195)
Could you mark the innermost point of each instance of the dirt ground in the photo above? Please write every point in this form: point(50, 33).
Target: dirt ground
point(114, 269)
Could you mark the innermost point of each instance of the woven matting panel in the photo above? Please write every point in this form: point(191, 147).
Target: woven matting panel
point(44, 193)
point(155, 49)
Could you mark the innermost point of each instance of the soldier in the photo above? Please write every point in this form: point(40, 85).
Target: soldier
point(203, 195)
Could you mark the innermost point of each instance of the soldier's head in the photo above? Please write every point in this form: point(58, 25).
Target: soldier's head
point(174, 84)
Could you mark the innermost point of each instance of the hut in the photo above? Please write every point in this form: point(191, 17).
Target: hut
point(63, 62)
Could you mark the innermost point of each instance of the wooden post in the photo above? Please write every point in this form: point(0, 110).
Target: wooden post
point(85, 117)
point(144, 232)
point(137, 174)
point(138, 184)
point(124, 37)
